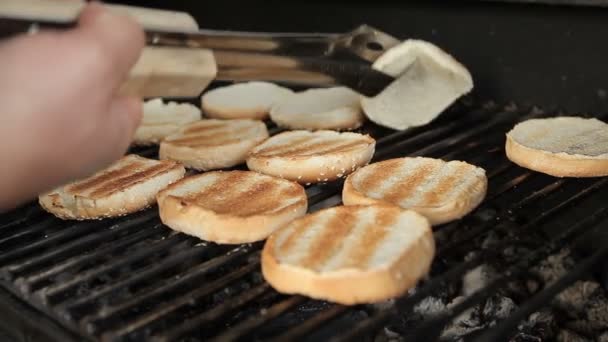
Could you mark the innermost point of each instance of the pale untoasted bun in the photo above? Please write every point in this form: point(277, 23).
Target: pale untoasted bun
point(428, 81)
point(162, 119)
point(213, 144)
point(441, 191)
point(350, 254)
point(560, 147)
point(312, 157)
point(313, 109)
point(128, 185)
point(249, 100)
point(231, 207)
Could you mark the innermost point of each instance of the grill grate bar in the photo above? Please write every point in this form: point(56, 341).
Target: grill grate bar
point(186, 299)
point(435, 135)
point(85, 304)
point(483, 229)
point(265, 315)
point(18, 235)
point(15, 219)
point(108, 317)
point(70, 232)
point(58, 289)
point(80, 244)
point(40, 279)
point(200, 321)
point(450, 142)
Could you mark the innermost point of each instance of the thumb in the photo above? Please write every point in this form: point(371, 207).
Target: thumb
point(118, 38)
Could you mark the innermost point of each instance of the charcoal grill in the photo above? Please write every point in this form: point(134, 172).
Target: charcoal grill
point(133, 279)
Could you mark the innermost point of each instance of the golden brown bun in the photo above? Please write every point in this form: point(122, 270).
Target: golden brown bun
point(231, 207)
point(128, 185)
point(312, 157)
point(560, 147)
point(213, 144)
point(441, 191)
point(247, 100)
point(350, 254)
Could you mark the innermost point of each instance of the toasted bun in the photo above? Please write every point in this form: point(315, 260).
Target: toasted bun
point(560, 147)
point(350, 255)
point(250, 100)
point(213, 144)
point(128, 185)
point(428, 81)
point(231, 207)
point(312, 157)
point(441, 191)
point(162, 119)
point(328, 108)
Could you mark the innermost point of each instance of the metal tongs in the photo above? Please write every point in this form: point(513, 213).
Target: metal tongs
point(308, 59)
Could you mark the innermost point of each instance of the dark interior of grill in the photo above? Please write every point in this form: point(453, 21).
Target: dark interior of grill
point(530, 264)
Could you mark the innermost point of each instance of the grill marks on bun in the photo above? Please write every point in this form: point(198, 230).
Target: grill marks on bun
point(232, 206)
point(350, 254)
point(312, 157)
point(213, 144)
point(442, 191)
point(128, 185)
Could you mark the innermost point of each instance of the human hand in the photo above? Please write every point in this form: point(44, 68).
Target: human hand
point(62, 118)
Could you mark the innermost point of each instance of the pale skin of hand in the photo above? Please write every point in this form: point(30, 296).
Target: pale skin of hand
point(61, 116)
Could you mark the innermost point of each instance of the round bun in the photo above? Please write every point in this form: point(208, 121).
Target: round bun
point(213, 144)
point(162, 119)
point(312, 157)
point(350, 254)
point(249, 100)
point(560, 147)
point(231, 207)
point(441, 191)
point(127, 186)
point(314, 109)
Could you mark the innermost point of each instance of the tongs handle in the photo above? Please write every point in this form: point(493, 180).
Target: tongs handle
point(311, 59)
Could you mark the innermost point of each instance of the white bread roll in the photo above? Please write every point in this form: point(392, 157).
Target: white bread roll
point(162, 119)
point(428, 81)
point(326, 108)
point(561, 146)
point(231, 207)
point(350, 254)
point(213, 144)
point(441, 191)
point(128, 185)
point(312, 157)
point(248, 100)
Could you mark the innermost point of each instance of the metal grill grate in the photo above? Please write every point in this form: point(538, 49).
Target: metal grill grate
point(134, 279)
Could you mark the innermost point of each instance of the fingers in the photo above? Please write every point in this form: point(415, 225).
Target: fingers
point(120, 39)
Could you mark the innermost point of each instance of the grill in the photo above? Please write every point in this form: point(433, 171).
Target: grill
point(528, 265)
point(134, 279)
